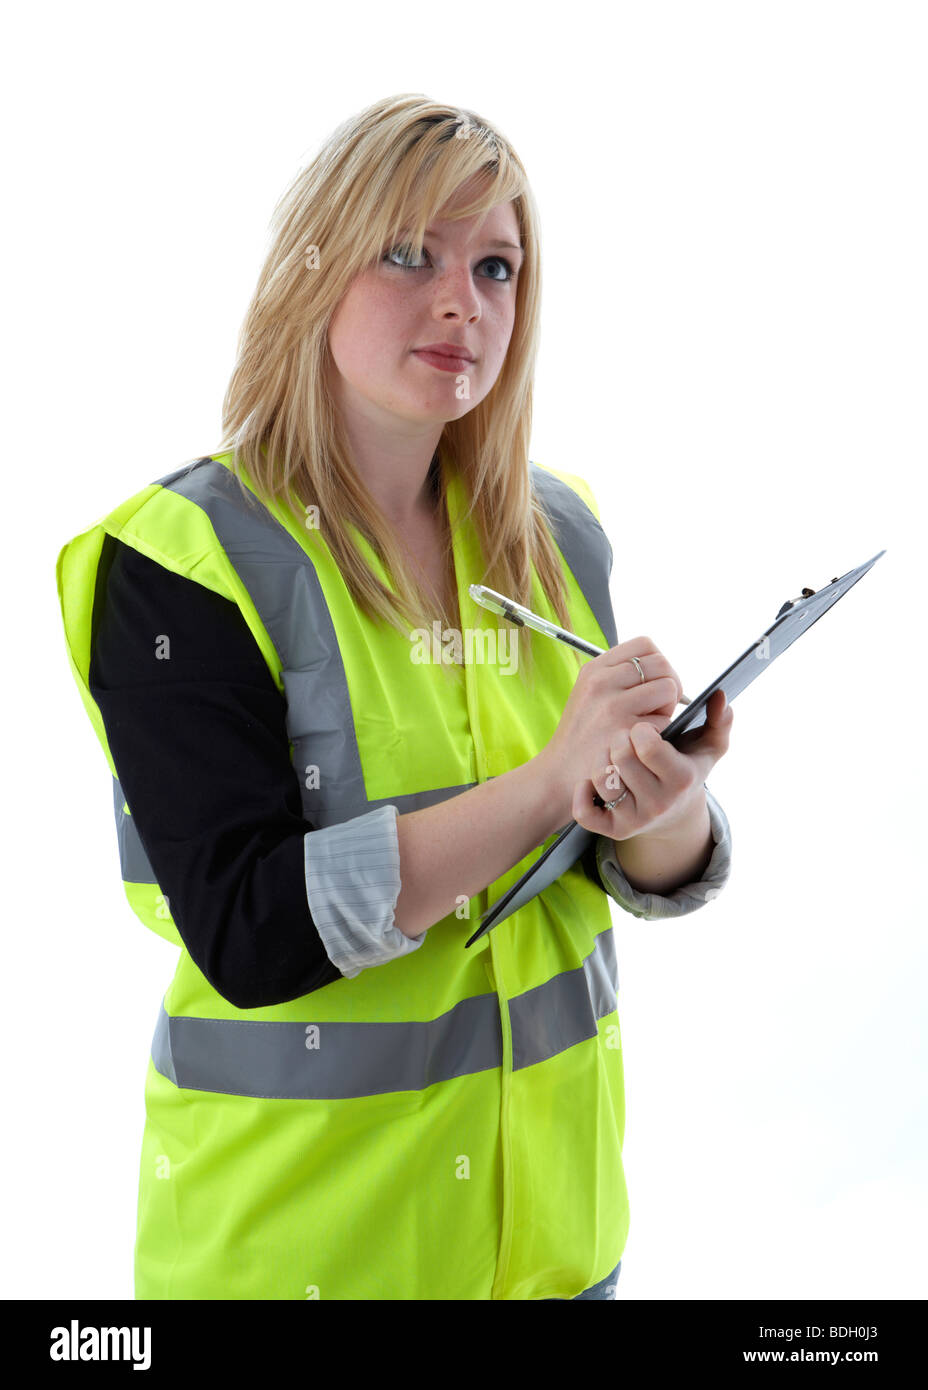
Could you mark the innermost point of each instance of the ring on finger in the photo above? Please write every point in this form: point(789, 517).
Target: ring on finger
point(610, 805)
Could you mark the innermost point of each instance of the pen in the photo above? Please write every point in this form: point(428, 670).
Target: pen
point(524, 617)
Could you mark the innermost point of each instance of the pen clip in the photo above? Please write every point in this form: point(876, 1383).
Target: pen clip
point(511, 615)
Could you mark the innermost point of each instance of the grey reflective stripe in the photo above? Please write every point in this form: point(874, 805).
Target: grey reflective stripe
point(554, 1016)
point(583, 543)
point(414, 801)
point(133, 861)
point(161, 1045)
point(291, 1061)
point(284, 587)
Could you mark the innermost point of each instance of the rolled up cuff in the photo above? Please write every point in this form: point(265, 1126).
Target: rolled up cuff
point(352, 884)
point(686, 899)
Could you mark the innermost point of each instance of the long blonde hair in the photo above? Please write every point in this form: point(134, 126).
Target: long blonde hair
point(382, 176)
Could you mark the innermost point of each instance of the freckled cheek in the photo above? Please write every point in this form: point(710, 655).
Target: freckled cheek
point(390, 322)
point(497, 341)
point(371, 335)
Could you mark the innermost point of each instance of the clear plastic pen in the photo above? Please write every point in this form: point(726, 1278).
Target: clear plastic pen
point(524, 617)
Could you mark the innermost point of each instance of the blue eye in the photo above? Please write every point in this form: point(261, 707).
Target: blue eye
point(500, 260)
point(405, 251)
point(398, 251)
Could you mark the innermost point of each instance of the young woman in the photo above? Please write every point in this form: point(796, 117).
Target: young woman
point(324, 771)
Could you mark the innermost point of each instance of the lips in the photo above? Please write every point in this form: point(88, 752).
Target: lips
point(457, 350)
point(446, 357)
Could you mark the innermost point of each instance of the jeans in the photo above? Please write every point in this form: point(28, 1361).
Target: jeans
point(604, 1289)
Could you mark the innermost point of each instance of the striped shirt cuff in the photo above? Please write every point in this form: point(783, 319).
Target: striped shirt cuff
point(352, 884)
point(685, 899)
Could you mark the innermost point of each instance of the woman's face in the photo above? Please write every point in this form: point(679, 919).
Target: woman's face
point(461, 291)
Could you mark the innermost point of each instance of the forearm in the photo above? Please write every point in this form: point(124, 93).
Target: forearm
point(457, 848)
point(662, 863)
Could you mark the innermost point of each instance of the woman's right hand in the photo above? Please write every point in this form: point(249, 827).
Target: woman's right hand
point(608, 699)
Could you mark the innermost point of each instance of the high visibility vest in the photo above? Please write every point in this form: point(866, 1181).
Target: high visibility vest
point(447, 1125)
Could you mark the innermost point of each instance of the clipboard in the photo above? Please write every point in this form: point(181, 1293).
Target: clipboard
point(795, 617)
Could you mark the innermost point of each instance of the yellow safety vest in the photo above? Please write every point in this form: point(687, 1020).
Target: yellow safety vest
point(448, 1125)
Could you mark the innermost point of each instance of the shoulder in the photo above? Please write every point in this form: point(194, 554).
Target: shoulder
point(563, 488)
point(573, 516)
point(144, 613)
point(571, 509)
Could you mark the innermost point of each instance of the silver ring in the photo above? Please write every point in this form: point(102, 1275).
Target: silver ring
point(638, 664)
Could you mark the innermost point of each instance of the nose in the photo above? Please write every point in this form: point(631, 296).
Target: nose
point(455, 296)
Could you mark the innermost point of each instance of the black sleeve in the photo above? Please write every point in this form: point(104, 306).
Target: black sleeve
point(199, 738)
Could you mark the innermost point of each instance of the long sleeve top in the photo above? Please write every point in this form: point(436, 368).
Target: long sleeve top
point(268, 906)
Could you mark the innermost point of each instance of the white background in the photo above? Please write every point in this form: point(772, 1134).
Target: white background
point(734, 355)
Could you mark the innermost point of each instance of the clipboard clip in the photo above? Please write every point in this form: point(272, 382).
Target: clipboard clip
point(806, 593)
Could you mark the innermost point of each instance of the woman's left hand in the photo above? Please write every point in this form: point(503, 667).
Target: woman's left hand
point(665, 783)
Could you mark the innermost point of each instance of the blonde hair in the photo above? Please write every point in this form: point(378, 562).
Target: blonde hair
point(378, 180)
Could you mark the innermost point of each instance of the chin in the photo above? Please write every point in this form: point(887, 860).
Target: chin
point(436, 412)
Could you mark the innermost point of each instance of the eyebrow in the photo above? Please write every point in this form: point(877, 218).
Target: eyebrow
point(496, 245)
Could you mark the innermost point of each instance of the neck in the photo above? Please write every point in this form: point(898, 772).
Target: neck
point(395, 469)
